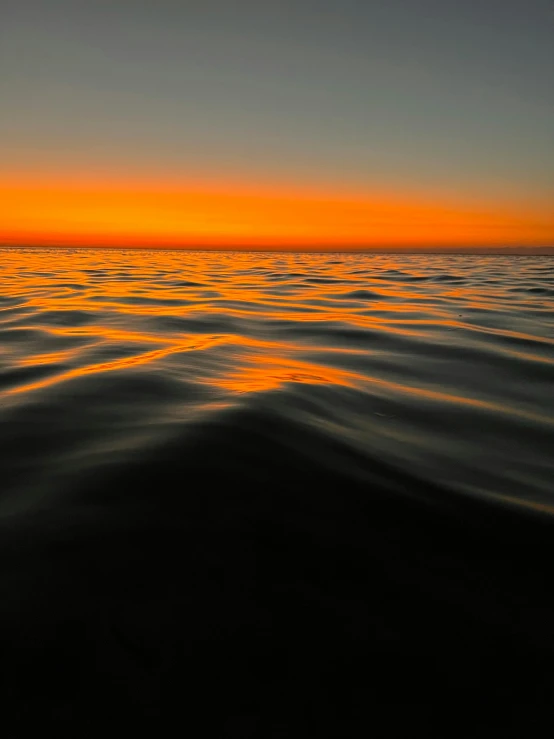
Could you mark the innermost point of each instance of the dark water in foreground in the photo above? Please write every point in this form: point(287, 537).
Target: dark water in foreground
point(259, 494)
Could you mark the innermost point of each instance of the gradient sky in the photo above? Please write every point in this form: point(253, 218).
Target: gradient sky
point(331, 122)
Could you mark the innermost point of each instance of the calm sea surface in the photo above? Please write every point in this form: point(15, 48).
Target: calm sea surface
point(258, 492)
point(441, 365)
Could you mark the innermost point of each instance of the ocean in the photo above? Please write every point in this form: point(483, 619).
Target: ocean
point(267, 494)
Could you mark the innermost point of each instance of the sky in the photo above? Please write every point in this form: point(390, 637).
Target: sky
point(295, 124)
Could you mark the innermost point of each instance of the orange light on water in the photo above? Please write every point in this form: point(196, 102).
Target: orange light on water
point(81, 213)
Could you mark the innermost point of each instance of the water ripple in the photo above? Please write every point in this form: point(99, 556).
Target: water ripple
point(442, 364)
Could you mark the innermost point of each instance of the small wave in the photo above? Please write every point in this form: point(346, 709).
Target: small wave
point(363, 295)
point(66, 318)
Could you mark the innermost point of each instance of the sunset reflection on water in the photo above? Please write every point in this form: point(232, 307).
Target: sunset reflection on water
point(426, 357)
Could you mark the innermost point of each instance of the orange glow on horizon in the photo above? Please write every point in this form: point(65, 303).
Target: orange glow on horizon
point(92, 213)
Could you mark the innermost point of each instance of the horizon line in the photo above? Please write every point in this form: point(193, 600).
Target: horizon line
point(462, 250)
